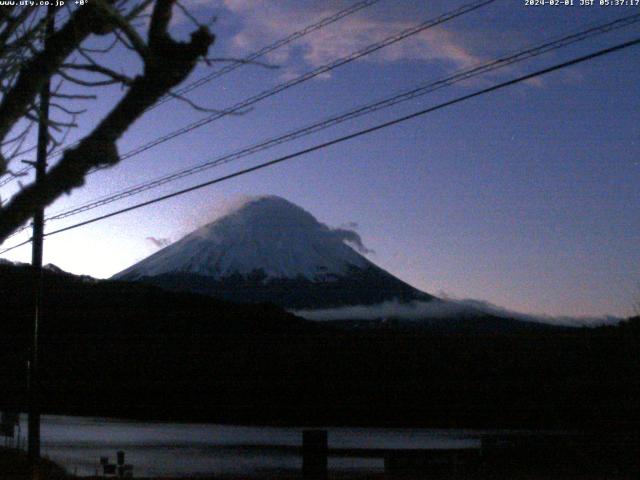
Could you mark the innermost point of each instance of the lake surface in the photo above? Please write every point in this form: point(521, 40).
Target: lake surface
point(77, 443)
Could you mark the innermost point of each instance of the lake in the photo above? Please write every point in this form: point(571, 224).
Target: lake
point(77, 443)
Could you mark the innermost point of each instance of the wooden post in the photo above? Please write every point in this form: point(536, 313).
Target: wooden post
point(314, 454)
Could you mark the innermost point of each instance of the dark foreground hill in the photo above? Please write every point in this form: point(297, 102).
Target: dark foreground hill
point(111, 348)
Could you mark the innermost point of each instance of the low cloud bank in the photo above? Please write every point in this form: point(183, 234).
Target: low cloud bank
point(444, 309)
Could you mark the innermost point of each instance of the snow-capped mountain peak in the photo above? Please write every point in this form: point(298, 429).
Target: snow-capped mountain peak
point(270, 250)
point(267, 235)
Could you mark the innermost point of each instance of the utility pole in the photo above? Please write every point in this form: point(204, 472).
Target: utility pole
point(36, 258)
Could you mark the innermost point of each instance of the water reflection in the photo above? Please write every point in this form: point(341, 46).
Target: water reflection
point(77, 443)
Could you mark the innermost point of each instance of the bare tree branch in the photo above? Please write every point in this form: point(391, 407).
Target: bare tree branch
point(69, 96)
point(86, 83)
point(242, 61)
point(135, 40)
point(67, 110)
point(166, 64)
point(187, 14)
point(95, 68)
point(137, 11)
point(43, 65)
point(194, 105)
point(106, 49)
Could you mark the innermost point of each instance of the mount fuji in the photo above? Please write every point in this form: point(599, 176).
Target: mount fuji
point(270, 250)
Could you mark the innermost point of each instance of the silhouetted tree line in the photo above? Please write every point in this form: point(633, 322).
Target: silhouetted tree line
point(112, 348)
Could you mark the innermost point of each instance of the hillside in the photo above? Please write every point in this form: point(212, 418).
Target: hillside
point(119, 349)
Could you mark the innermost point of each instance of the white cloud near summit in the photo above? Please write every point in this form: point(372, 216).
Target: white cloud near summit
point(352, 237)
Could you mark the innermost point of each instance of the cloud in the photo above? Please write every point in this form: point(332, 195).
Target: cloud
point(159, 242)
point(217, 206)
point(488, 307)
point(266, 22)
point(352, 237)
point(227, 205)
point(390, 309)
point(443, 309)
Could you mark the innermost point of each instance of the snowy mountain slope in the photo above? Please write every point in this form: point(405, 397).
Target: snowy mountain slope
point(268, 234)
point(272, 250)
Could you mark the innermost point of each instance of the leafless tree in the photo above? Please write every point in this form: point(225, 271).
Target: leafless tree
point(77, 69)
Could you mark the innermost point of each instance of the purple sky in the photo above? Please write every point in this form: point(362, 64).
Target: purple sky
point(527, 197)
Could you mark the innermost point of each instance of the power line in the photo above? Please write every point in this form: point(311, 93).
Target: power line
point(10, 178)
point(248, 102)
point(308, 76)
point(15, 246)
point(359, 133)
point(356, 7)
point(334, 120)
point(269, 48)
point(305, 77)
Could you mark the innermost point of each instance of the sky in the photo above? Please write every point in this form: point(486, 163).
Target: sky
point(526, 198)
